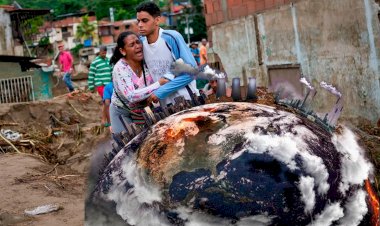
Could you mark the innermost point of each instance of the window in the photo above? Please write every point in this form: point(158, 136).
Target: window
point(127, 26)
point(116, 28)
point(104, 31)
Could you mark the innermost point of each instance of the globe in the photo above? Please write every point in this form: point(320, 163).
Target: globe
point(239, 164)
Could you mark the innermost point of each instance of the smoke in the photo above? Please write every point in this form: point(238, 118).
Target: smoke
point(330, 214)
point(330, 88)
point(195, 218)
point(208, 70)
point(355, 168)
point(306, 186)
point(136, 206)
point(304, 81)
point(179, 67)
point(315, 167)
point(286, 90)
point(285, 147)
point(356, 208)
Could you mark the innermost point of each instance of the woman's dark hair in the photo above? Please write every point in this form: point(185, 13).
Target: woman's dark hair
point(120, 44)
point(149, 7)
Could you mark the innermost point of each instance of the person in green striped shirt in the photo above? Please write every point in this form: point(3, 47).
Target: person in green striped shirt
point(100, 73)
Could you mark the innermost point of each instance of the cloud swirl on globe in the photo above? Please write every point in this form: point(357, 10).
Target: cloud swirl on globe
point(239, 164)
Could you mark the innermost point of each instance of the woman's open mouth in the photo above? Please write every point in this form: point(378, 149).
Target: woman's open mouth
point(139, 53)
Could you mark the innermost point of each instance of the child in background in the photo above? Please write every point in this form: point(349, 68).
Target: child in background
point(108, 90)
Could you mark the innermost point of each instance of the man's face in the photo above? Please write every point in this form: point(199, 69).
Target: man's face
point(60, 48)
point(147, 24)
point(102, 54)
point(214, 85)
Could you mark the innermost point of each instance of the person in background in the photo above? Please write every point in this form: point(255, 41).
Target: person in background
point(132, 81)
point(107, 95)
point(161, 49)
point(66, 66)
point(203, 52)
point(212, 86)
point(195, 51)
point(100, 72)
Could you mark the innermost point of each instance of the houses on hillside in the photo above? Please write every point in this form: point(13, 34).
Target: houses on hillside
point(18, 81)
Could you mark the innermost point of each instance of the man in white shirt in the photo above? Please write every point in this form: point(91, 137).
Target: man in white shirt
point(161, 49)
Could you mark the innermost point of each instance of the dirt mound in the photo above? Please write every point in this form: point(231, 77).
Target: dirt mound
point(56, 129)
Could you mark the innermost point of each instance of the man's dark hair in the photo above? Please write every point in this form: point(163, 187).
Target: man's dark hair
point(103, 48)
point(117, 55)
point(149, 7)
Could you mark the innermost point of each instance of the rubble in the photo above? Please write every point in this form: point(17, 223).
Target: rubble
point(53, 130)
point(43, 209)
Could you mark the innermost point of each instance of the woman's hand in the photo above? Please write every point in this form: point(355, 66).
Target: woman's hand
point(152, 98)
point(163, 81)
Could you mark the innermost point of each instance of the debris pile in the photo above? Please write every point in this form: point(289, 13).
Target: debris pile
point(52, 130)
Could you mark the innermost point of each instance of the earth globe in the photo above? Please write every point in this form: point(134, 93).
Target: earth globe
point(238, 164)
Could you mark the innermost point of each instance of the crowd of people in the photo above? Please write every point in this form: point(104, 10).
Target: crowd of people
point(139, 72)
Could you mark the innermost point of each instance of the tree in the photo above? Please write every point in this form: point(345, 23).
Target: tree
point(85, 29)
point(30, 27)
point(197, 19)
point(124, 9)
point(59, 6)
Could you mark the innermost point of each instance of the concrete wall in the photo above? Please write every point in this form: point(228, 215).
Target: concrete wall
point(6, 39)
point(333, 41)
point(42, 81)
point(12, 70)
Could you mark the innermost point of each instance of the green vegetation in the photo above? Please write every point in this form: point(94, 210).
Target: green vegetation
point(196, 21)
point(75, 50)
point(31, 26)
point(85, 29)
point(44, 41)
point(124, 9)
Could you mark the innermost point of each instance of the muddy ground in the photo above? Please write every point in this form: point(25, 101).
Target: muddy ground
point(60, 137)
point(51, 163)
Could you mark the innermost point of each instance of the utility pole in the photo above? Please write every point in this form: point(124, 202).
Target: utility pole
point(187, 28)
point(112, 10)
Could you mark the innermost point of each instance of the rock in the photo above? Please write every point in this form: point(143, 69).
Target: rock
point(43, 209)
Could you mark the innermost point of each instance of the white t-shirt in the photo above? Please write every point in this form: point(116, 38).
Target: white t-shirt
point(159, 58)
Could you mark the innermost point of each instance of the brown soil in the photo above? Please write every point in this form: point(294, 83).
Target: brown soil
point(58, 138)
point(26, 185)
